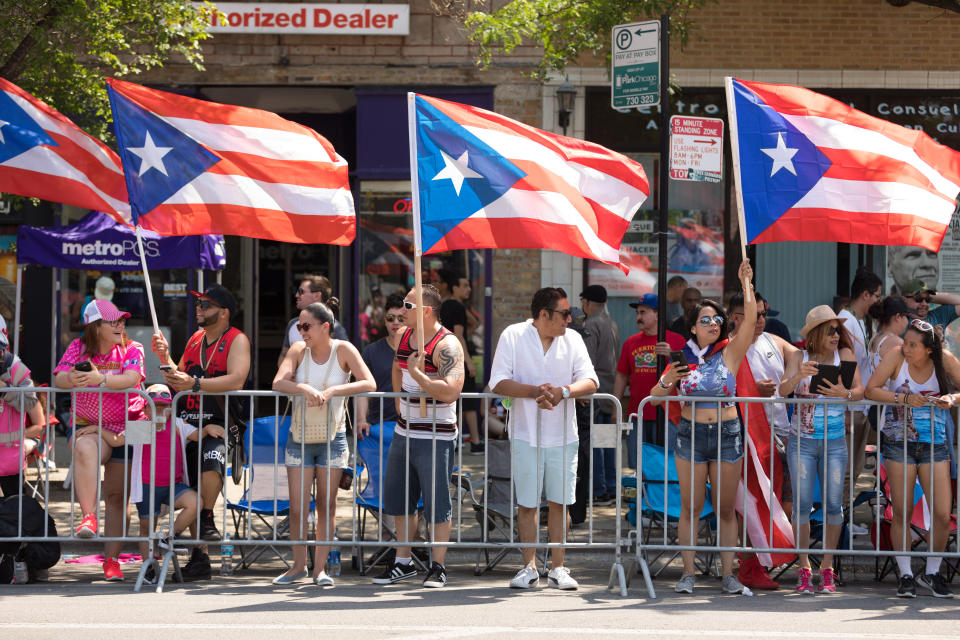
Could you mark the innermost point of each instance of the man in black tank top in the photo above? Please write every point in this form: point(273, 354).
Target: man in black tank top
point(420, 461)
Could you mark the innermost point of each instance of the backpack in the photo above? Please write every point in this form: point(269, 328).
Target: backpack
point(37, 555)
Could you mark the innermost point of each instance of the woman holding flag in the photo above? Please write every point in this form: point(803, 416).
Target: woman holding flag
point(710, 438)
point(915, 377)
point(818, 444)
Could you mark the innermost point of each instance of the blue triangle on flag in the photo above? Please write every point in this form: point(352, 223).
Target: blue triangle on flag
point(762, 131)
point(459, 174)
point(18, 131)
point(158, 159)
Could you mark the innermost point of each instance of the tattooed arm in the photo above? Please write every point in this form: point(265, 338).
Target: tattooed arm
point(448, 356)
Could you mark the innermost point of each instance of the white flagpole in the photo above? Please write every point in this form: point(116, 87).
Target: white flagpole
point(146, 281)
point(417, 239)
point(738, 188)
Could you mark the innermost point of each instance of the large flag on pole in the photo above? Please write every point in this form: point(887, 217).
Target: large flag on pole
point(812, 168)
point(196, 167)
point(482, 180)
point(45, 155)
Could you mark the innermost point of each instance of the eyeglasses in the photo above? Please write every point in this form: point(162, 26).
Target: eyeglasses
point(921, 325)
point(394, 318)
point(919, 298)
point(303, 327)
point(706, 321)
point(206, 304)
point(117, 323)
point(566, 313)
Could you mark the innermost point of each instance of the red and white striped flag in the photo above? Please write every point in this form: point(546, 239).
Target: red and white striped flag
point(45, 155)
point(482, 180)
point(196, 167)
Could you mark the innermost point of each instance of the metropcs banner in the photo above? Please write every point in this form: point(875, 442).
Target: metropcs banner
point(340, 19)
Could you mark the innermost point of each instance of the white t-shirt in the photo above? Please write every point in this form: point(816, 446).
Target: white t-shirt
point(520, 357)
point(858, 331)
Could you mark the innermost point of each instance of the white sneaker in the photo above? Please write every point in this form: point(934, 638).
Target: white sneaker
point(526, 578)
point(560, 578)
point(857, 530)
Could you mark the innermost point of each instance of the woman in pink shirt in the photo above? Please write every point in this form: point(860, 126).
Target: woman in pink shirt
point(102, 357)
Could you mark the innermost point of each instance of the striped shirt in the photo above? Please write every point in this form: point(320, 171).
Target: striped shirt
point(410, 423)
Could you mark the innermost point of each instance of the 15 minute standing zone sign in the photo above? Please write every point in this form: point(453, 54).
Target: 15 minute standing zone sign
point(696, 149)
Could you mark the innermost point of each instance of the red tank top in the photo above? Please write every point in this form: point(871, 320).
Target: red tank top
point(215, 358)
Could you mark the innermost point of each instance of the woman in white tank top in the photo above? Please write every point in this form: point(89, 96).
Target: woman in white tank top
point(318, 371)
point(892, 316)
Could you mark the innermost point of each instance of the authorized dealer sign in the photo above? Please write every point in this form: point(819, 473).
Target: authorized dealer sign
point(340, 19)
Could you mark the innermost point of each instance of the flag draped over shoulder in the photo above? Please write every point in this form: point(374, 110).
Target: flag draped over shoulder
point(764, 474)
point(45, 155)
point(486, 181)
point(197, 167)
point(812, 168)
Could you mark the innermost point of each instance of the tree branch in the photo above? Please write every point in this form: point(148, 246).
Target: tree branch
point(14, 65)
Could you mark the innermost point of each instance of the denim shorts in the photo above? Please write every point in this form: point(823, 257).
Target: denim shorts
point(318, 454)
point(424, 472)
point(160, 497)
point(697, 441)
point(917, 452)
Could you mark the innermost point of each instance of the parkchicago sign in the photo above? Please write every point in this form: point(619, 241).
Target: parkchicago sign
point(340, 19)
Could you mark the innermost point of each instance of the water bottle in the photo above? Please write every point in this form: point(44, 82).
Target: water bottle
point(333, 561)
point(22, 576)
point(226, 556)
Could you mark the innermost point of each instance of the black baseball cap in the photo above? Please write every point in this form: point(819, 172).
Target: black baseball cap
point(219, 294)
point(595, 293)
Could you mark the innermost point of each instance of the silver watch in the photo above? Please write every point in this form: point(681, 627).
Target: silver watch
point(565, 393)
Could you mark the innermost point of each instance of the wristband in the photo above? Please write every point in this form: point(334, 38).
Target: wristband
point(664, 386)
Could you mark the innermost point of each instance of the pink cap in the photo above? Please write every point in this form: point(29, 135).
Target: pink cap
point(102, 310)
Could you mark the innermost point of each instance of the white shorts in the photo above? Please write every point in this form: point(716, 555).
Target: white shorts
point(548, 469)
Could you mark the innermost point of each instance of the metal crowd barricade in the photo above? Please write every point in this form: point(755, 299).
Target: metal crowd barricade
point(461, 483)
point(659, 541)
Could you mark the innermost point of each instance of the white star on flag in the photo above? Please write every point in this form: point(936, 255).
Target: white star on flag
point(456, 171)
point(782, 156)
point(151, 155)
point(3, 123)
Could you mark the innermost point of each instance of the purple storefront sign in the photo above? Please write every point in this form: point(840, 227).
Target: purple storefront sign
point(99, 242)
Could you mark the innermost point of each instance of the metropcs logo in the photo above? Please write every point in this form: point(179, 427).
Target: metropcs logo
point(114, 249)
point(341, 19)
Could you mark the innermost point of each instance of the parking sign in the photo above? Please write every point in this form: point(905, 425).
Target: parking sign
point(635, 76)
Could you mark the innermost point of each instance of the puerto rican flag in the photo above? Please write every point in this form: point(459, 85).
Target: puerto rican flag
point(482, 180)
point(195, 167)
point(812, 168)
point(45, 155)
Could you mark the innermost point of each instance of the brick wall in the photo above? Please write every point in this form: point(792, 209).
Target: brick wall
point(820, 34)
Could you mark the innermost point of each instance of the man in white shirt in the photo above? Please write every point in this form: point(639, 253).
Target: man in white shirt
point(865, 290)
point(543, 366)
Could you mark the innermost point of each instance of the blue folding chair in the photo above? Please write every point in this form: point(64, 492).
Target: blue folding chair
point(660, 502)
point(263, 512)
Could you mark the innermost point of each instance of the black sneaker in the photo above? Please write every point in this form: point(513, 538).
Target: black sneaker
point(208, 529)
point(907, 587)
point(476, 448)
point(396, 573)
point(198, 568)
point(436, 577)
point(937, 585)
point(604, 500)
point(150, 577)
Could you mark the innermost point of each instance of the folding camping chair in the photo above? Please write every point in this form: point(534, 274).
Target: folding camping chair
point(661, 503)
point(263, 512)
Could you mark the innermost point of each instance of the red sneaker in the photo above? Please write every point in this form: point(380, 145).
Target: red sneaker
point(829, 584)
point(754, 575)
point(111, 570)
point(87, 527)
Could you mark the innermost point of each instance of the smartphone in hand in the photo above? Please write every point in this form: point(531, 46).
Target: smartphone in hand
point(678, 359)
point(166, 367)
point(83, 366)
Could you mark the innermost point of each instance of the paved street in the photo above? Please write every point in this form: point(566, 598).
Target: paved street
point(78, 605)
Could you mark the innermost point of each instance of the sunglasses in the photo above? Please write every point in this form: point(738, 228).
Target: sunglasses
point(394, 318)
point(206, 304)
point(706, 321)
point(300, 291)
point(566, 313)
point(117, 323)
point(921, 325)
point(303, 327)
point(832, 330)
point(409, 306)
point(920, 298)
